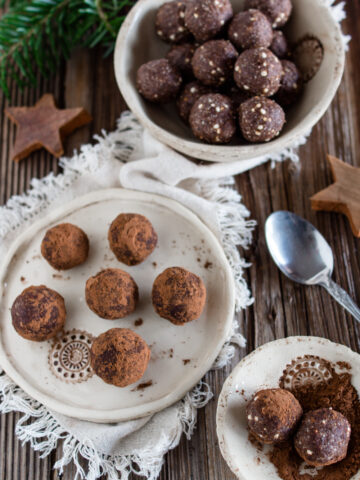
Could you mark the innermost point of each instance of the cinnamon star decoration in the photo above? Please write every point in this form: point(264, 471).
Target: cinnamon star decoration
point(342, 196)
point(44, 125)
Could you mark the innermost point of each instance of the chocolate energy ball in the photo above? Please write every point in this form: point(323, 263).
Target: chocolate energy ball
point(213, 62)
point(236, 95)
point(250, 29)
point(180, 57)
point(212, 118)
point(111, 294)
point(178, 295)
point(290, 86)
point(38, 313)
point(258, 71)
point(278, 11)
point(189, 95)
point(279, 45)
point(206, 18)
point(132, 238)
point(273, 415)
point(260, 119)
point(323, 437)
point(170, 24)
point(158, 81)
point(65, 246)
point(119, 356)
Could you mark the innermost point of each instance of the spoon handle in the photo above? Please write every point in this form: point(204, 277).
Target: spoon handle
point(342, 297)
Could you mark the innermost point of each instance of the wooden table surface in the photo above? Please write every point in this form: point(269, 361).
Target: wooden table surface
point(281, 308)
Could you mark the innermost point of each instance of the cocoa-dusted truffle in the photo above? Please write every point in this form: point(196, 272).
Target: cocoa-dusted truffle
point(213, 62)
point(65, 246)
point(290, 86)
point(169, 23)
point(260, 119)
point(323, 437)
point(190, 93)
point(273, 415)
point(180, 57)
point(132, 238)
point(111, 294)
point(250, 29)
point(212, 118)
point(258, 71)
point(178, 295)
point(38, 313)
point(119, 356)
point(158, 81)
point(278, 11)
point(279, 45)
point(206, 19)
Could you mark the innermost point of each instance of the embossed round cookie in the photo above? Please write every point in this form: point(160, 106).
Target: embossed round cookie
point(213, 62)
point(290, 86)
point(189, 95)
point(180, 57)
point(170, 23)
point(212, 118)
point(258, 71)
point(158, 81)
point(278, 11)
point(206, 19)
point(250, 29)
point(260, 119)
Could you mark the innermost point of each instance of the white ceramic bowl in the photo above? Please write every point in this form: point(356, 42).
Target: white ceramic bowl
point(137, 43)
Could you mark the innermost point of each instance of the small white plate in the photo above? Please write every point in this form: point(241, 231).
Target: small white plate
point(58, 374)
point(263, 369)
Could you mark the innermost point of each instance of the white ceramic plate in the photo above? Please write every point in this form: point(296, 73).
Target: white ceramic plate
point(59, 375)
point(263, 369)
point(137, 43)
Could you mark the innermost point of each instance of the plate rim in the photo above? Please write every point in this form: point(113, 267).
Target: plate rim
point(123, 414)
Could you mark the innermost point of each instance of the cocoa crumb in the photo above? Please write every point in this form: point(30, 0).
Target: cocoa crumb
point(142, 386)
point(186, 361)
point(154, 264)
point(57, 275)
point(208, 265)
point(22, 279)
point(138, 322)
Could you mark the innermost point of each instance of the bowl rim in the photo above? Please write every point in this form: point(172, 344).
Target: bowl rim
point(224, 153)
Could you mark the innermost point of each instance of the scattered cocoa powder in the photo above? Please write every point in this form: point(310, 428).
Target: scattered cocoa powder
point(138, 322)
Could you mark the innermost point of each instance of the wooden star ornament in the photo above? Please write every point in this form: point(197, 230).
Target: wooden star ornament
point(44, 125)
point(342, 196)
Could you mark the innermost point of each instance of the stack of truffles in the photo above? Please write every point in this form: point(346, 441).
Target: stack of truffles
point(228, 73)
point(119, 356)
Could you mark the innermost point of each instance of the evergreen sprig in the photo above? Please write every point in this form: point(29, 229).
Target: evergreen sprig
point(38, 34)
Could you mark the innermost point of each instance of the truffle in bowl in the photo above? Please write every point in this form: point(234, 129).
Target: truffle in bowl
point(138, 43)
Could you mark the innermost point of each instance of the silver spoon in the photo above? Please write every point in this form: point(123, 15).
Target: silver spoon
point(303, 255)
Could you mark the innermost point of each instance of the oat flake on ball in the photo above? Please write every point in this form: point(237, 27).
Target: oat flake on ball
point(158, 81)
point(213, 62)
point(250, 29)
point(278, 11)
point(189, 95)
point(206, 18)
point(260, 119)
point(258, 71)
point(212, 118)
point(170, 24)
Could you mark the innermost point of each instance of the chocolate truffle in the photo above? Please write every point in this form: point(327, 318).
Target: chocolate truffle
point(65, 246)
point(178, 295)
point(212, 118)
point(273, 415)
point(260, 119)
point(279, 45)
point(323, 437)
point(111, 294)
point(189, 95)
point(119, 356)
point(250, 29)
point(258, 71)
point(290, 86)
point(213, 62)
point(132, 238)
point(180, 57)
point(38, 313)
point(158, 81)
point(278, 11)
point(206, 19)
point(170, 24)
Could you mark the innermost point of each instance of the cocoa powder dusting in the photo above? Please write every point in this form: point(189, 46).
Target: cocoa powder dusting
point(339, 394)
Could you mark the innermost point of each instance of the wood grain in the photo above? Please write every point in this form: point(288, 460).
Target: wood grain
point(281, 308)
